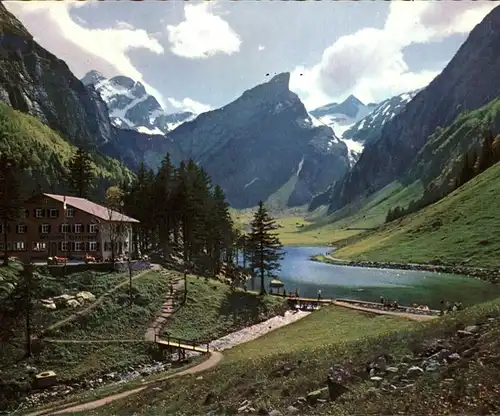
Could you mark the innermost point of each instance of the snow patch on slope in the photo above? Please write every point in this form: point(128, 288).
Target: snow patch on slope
point(250, 183)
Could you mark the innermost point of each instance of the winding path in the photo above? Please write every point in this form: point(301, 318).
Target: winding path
point(99, 300)
point(214, 359)
point(412, 316)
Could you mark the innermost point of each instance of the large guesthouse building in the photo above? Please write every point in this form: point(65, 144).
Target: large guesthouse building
point(66, 226)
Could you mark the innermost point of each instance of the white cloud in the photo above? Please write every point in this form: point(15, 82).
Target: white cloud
point(202, 34)
point(370, 63)
point(188, 104)
point(82, 48)
point(261, 48)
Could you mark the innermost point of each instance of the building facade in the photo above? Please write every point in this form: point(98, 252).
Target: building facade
point(65, 226)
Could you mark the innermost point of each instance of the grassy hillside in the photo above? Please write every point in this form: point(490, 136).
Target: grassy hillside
point(440, 159)
point(45, 153)
point(285, 367)
point(213, 310)
point(254, 370)
point(461, 228)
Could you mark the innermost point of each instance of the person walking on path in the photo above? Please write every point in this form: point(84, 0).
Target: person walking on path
point(296, 292)
point(319, 294)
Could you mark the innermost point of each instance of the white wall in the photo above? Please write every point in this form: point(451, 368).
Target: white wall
point(106, 232)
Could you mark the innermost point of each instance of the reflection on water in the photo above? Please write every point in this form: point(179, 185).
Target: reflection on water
point(406, 286)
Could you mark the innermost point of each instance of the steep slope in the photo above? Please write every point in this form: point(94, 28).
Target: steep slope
point(441, 158)
point(462, 228)
point(261, 142)
point(131, 107)
point(468, 82)
point(340, 117)
point(35, 82)
point(45, 154)
point(369, 128)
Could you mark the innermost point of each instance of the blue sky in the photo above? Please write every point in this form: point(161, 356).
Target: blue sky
point(201, 55)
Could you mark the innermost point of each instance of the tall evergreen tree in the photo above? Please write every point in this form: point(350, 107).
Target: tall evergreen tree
point(81, 174)
point(10, 199)
point(162, 197)
point(264, 245)
point(486, 154)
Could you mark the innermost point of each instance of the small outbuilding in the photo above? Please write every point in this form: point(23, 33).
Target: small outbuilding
point(276, 284)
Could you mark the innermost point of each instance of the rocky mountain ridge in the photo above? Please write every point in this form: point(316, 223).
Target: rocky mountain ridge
point(262, 144)
point(341, 117)
point(131, 107)
point(468, 82)
point(35, 82)
point(368, 129)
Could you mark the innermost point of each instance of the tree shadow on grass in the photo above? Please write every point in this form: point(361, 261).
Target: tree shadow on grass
point(243, 307)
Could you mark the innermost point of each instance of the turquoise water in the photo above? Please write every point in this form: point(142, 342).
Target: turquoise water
point(405, 286)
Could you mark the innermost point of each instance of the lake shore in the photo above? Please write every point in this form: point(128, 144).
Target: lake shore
point(489, 275)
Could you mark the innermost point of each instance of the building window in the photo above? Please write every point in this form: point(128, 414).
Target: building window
point(2, 246)
point(21, 229)
point(64, 246)
point(93, 228)
point(39, 246)
point(93, 246)
point(107, 246)
point(65, 228)
point(78, 246)
point(78, 228)
point(70, 212)
point(26, 213)
point(54, 213)
point(45, 228)
point(39, 213)
point(19, 245)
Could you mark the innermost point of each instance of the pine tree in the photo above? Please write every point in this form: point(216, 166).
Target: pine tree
point(162, 207)
point(485, 157)
point(221, 229)
point(81, 174)
point(10, 199)
point(264, 245)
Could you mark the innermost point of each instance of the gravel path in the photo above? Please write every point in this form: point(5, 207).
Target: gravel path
point(412, 316)
point(255, 331)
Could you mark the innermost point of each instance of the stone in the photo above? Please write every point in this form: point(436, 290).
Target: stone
point(313, 396)
point(454, 357)
point(414, 371)
point(292, 410)
point(275, 413)
point(472, 328)
point(51, 306)
point(376, 378)
point(85, 297)
point(73, 303)
point(392, 369)
point(462, 333)
point(199, 378)
point(432, 366)
point(61, 300)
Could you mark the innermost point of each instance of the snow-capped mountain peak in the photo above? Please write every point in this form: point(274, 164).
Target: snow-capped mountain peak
point(341, 117)
point(131, 107)
point(369, 127)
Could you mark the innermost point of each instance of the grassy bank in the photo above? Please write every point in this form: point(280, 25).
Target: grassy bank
point(251, 370)
point(459, 229)
point(113, 319)
point(213, 310)
point(273, 374)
